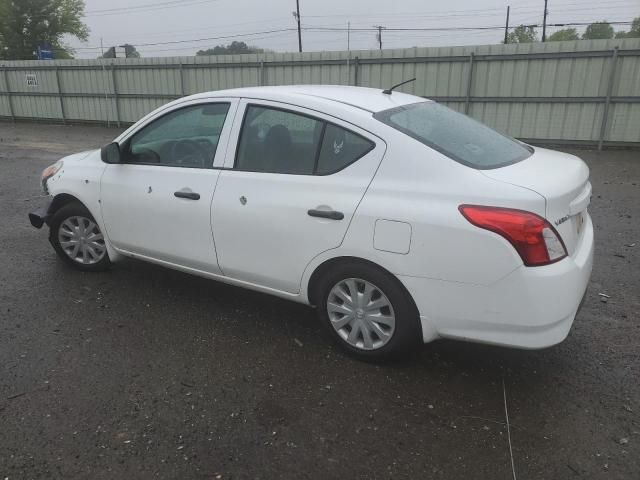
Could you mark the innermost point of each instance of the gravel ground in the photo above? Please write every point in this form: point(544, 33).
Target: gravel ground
point(143, 372)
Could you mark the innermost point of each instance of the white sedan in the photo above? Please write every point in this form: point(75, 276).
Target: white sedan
point(400, 220)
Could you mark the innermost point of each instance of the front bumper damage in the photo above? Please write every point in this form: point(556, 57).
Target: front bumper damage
point(41, 215)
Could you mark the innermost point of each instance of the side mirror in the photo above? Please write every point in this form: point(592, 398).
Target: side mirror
point(111, 153)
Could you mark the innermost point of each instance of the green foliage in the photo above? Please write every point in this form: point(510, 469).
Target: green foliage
point(635, 29)
point(233, 48)
point(522, 34)
point(633, 33)
point(598, 30)
point(25, 24)
point(564, 35)
point(130, 52)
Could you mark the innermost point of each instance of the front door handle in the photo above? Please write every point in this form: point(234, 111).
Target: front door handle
point(188, 195)
point(331, 214)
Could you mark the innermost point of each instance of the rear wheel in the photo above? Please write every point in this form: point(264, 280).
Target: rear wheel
point(77, 239)
point(367, 311)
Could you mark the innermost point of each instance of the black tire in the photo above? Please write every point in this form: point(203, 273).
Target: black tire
point(407, 334)
point(74, 209)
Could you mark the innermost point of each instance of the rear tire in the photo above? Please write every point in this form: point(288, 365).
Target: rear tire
point(367, 311)
point(77, 238)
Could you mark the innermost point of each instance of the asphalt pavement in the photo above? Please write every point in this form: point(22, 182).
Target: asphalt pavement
point(143, 372)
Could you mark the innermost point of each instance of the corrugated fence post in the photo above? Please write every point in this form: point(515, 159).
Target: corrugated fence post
point(607, 102)
point(469, 85)
point(261, 74)
point(6, 82)
point(64, 117)
point(356, 71)
point(181, 80)
point(115, 93)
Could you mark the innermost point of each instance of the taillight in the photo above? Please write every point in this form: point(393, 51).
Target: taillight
point(535, 240)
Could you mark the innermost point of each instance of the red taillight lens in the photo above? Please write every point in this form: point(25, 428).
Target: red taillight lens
point(535, 240)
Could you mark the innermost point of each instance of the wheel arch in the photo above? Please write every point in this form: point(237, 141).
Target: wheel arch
point(314, 279)
point(62, 199)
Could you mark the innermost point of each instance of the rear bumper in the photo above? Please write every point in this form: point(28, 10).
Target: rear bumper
point(40, 216)
point(532, 307)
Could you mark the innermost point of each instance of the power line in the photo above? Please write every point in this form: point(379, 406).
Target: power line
point(471, 12)
point(426, 29)
point(352, 30)
point(145, 8)
point(216, 38)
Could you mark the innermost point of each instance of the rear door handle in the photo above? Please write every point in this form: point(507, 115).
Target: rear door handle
point(331, 214)
point(188, 195)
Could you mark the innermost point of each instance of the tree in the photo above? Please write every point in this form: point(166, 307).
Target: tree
point(26, 24)
point(129, 51)
point(564, 35)
point(635, 29)
point(633, 33)
point(598, 30)
point(523, 34)
point(233, 48)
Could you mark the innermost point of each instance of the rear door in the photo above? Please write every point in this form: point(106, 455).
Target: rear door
point(290, 187)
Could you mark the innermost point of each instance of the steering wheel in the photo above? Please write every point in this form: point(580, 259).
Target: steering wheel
point(189, 152)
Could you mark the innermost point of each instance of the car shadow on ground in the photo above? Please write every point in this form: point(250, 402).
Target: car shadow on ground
point(280, 320)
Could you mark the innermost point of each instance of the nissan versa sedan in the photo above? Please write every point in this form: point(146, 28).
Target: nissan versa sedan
point(399, 219)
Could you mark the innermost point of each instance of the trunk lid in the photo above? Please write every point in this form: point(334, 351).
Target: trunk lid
point(563, 180)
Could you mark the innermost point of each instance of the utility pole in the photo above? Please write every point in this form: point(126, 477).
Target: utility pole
point(348, 36)
point(506, 27)
point(544, 22)
point(380, 28)
point(297, 15)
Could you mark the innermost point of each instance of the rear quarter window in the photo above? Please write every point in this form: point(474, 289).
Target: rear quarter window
point(455, 135)
point(340, 148)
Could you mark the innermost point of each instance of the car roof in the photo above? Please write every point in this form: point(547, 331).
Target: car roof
point(368, 99)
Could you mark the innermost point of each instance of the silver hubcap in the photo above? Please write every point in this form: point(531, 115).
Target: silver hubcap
point(361, 314)
point(81, 240)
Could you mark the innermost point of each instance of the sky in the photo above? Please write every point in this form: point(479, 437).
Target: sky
point(191, 25)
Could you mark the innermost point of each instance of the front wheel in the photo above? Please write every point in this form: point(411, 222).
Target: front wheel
point(77, 239)
point(367, 311)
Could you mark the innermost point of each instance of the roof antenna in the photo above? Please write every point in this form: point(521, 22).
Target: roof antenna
point(388, 91)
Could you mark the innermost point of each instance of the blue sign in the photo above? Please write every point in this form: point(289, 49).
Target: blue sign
point(45, 52)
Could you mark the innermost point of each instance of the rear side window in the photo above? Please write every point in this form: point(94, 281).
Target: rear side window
point(455, 135)
point(273, 140)
point(278, 141)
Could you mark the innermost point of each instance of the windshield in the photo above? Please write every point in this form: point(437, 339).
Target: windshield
point(455, 135)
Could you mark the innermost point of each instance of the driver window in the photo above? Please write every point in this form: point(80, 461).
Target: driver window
point(183, 138)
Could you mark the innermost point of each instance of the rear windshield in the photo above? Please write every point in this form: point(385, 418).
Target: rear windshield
point(455, 135)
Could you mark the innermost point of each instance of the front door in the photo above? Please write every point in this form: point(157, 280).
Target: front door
point(157, 203)
point(289, 192)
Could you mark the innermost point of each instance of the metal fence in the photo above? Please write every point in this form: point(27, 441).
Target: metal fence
point(571, 92)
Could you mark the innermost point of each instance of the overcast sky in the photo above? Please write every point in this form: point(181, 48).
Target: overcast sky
point(160, 21)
